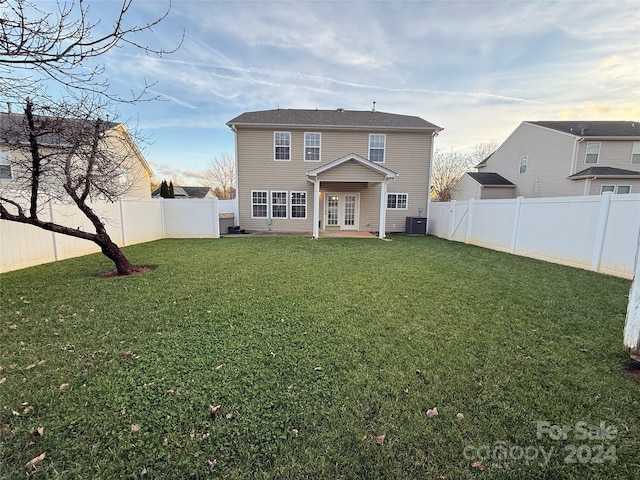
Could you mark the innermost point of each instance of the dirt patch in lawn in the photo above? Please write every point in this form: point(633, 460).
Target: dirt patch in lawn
point(137, 270)
point(632, 368)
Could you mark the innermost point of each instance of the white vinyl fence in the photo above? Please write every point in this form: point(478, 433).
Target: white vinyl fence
point(598, 232)
point(128, 222)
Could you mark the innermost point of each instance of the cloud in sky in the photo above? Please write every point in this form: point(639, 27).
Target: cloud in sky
point(476, 68)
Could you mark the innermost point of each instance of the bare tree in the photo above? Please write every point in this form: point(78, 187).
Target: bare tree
point(448, 167)
point(221, 176)
point(61, 148)
point(67, 160)
point(58, 42)
point(481, 151)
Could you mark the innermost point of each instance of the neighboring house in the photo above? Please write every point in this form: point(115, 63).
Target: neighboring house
point(188, 192)
point(559, 158)
point(313, 170)
point(133, 172)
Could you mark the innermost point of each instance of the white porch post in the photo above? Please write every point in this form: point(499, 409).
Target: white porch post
point(383, 209)
point(316, 206)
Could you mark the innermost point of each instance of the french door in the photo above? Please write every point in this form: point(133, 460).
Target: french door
point(341, 210)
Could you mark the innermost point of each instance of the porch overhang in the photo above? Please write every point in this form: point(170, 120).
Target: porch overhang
point(371, 172)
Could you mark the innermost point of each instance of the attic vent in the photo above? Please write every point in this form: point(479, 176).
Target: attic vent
point(340, 109)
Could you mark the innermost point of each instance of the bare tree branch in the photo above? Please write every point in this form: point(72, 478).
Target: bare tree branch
point(221, 176)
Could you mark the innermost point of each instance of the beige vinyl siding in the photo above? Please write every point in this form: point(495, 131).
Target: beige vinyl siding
point(407, 154)
point(550, 155)
point(613, 153)
point(496, 193)
point(465, 189)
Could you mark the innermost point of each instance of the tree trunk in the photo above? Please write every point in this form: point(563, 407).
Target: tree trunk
point(113, 253)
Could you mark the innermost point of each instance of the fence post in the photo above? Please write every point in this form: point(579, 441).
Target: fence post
point(122, 227)
point(601, 231)
point(516, 225)
point(53, 234)
point(469, 220)
point(452, 219)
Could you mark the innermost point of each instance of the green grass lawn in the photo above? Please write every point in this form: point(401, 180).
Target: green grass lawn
point(314, 350)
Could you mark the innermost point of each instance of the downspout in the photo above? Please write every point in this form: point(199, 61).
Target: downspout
point(587, 185)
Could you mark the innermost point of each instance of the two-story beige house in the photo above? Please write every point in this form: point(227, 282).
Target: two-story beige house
point(559, 158)
point(131, 175)
point(310, 171)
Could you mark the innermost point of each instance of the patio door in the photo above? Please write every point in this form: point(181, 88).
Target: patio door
point(341, 211)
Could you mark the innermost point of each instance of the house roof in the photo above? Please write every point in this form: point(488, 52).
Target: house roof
point(332, 118)
point(605, 172)
point(186, 192)
point(490, 179)
point(355, 158)
point(583, 128)
point(483, 163)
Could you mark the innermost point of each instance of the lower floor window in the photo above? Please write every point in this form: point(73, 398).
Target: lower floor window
point(259, 204)
point(615, 189)
point(298, 204)
point(397, 201)
point(278, 204)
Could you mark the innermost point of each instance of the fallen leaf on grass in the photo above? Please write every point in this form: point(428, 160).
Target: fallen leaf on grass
point(294, 432)
point(206, 435)
point(192, 435)
point(215, 411)
point(135, 427)
point(460, 416)
point(63, 386)
point(317, 369)
point(228, 416)
point(17, 414)
point(380, 439)
point(478, 464)
point(38, 432)
point(29, 367)
point(432, 412)
point(418, 372)
point(220, 367)
point(363, 438)
point(13, 327)
point(143, 472)
point(2, 380)
point(171, 391)
point(35, 461)
point(41, 362)
point(212, 463)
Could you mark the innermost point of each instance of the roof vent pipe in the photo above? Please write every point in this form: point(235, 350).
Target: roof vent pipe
point(340, 109)
point(374, 106)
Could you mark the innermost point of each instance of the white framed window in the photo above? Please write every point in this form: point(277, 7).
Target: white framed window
point(618, 189)
point(5, 165)
point(299, 205)
point(312, 141)
point(397, 201)
point(278, 204)
point(282, 146)
point(259, 205)
point(377, 143)
point(524, 161)
point(593, 152)
point(635, 153)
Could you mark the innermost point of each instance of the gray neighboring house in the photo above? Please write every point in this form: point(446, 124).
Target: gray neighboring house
point(314, 170)
point(561, 158)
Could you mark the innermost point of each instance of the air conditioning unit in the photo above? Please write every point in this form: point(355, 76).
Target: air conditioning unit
point(416, 226)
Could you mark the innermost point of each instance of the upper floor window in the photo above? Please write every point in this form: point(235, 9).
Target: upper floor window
point(278, 204)
point(5, 165)
point(593, 152)
point(397, 201)
point(524, 161)
point(259, 204)
point(635, 153)
point(311, 147)
point(376, 147)
point(282, 146)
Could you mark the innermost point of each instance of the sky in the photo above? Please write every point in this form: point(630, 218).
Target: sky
point(476, 68)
